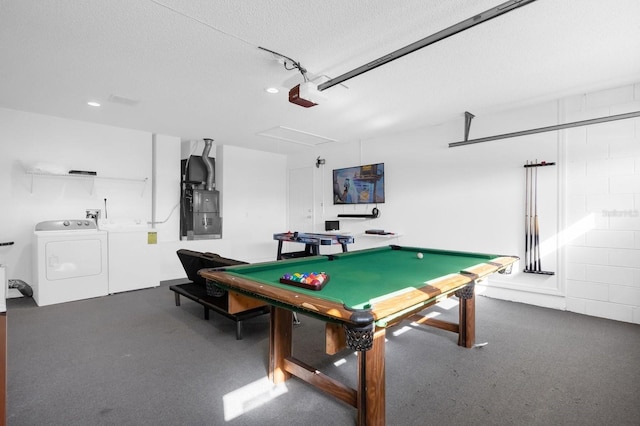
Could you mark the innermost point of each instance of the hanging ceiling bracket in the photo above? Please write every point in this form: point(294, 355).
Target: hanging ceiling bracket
point(467, 124)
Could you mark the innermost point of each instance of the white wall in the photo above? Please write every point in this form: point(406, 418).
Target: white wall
point(28, 140)
point(603, 207)
point(253, 203)
point(254, 186)
point(472, 198)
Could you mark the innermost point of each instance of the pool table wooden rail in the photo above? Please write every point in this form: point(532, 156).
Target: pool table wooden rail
point(413, 299)
point(301, 301)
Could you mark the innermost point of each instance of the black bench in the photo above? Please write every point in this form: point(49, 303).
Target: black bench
point(232, 305)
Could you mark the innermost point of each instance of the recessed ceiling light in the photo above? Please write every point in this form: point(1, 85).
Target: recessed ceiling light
point(93, 103)
point(271, 90)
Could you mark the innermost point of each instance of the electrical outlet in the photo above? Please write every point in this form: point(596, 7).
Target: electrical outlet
point(93, 214)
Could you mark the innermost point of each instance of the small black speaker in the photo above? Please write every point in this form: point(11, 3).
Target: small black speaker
point(331, 225)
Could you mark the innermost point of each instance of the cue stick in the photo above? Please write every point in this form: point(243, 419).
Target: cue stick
point(526, 215)
point(531, 254)
point(537, 229)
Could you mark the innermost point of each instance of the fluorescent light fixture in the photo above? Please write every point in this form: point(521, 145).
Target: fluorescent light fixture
point(93, 103)
point(271, 90)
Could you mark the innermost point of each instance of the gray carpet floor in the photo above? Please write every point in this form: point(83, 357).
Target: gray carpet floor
point(137, 359)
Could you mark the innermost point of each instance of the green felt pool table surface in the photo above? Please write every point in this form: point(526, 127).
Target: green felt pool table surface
point(360, 279)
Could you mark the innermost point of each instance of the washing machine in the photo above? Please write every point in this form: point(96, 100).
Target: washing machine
point(70, 261)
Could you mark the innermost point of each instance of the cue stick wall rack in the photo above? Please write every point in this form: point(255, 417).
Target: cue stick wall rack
point(533, 265)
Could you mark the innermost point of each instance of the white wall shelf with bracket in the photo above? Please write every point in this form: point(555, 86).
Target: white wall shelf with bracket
point(387, 235)
point(85, 177)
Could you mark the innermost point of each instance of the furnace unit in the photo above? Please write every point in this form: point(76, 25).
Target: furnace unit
point(200, 201)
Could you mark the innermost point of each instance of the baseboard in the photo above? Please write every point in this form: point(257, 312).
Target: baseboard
point(175, 281)
point(530, 298)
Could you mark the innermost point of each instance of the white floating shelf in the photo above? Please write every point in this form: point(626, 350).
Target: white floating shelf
point(91, 178)
point(394, 235)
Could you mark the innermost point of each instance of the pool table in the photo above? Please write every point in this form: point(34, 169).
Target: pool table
point(367, 292)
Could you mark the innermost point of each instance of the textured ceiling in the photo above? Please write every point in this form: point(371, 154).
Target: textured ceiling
point(192, 68)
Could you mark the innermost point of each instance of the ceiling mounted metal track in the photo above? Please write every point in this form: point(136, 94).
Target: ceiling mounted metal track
point(440, 35)
point(547, 129)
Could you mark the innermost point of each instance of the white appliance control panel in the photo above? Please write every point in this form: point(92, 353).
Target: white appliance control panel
point(66, 225)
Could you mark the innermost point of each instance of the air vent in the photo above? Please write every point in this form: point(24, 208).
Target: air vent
point(123, 100)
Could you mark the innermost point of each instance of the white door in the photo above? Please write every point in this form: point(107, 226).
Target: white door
point(301, 200)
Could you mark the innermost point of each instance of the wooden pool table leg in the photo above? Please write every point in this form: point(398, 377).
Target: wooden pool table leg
point(371, 383)
point(280, 335)
point(467, 324)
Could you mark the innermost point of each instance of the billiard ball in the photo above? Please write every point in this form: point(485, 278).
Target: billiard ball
point(419, 255)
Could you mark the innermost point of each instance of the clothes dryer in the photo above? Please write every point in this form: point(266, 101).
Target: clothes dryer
point(133, 258)
point(70, 261)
